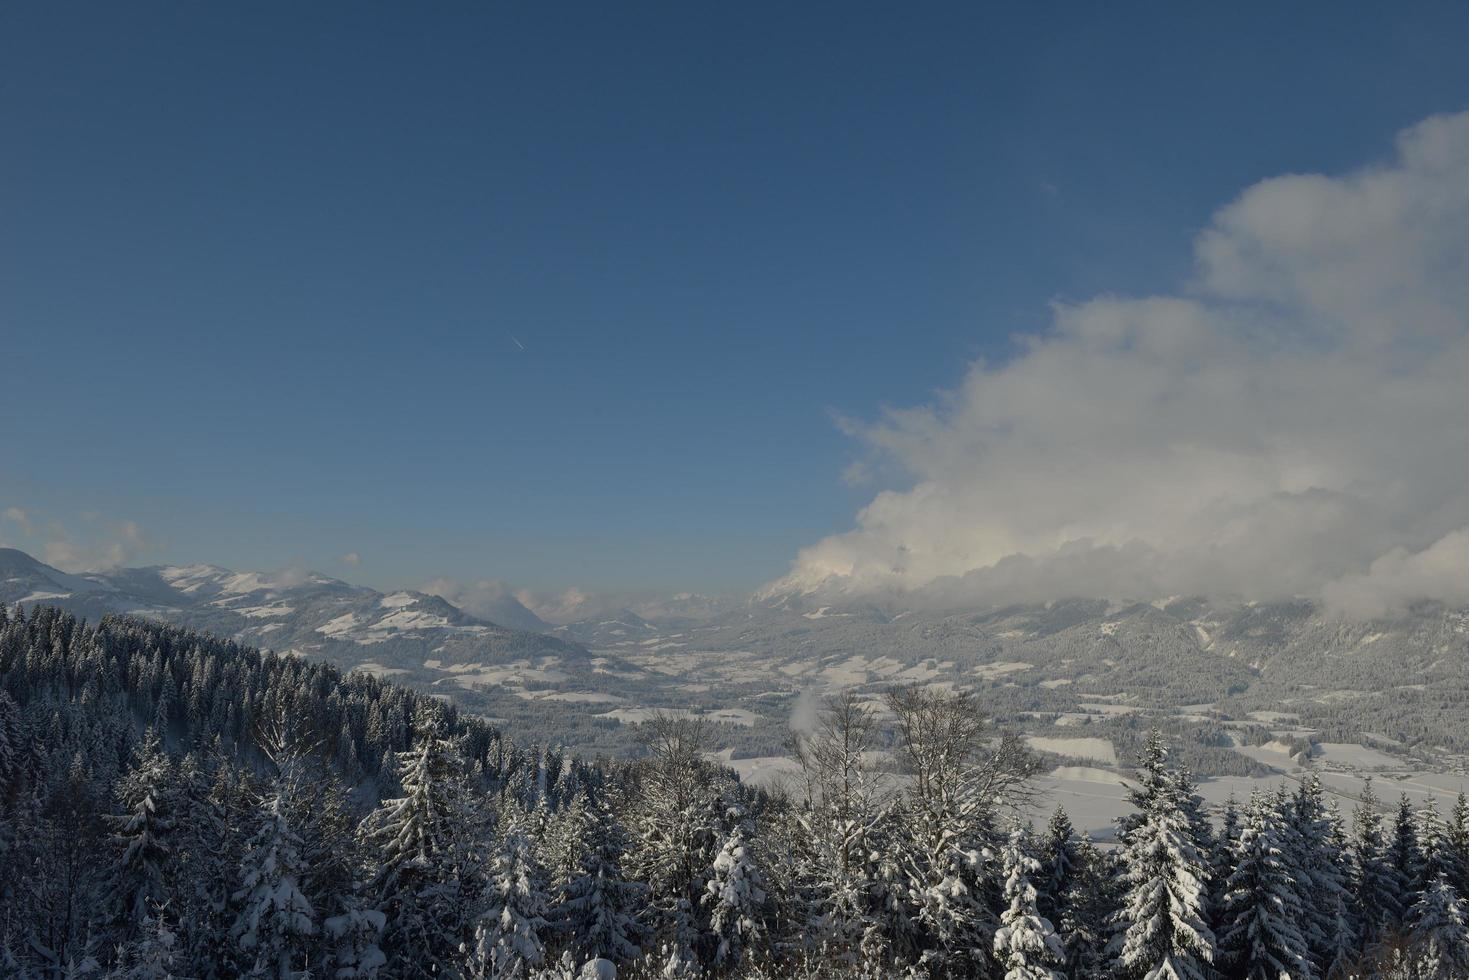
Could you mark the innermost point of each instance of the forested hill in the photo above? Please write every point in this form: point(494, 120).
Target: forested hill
point(177, 806)
point(89, 692)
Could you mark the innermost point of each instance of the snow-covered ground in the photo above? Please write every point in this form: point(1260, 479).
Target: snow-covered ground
point(1097, 749)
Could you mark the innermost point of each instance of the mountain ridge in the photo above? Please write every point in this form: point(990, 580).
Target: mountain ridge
point(295, 612)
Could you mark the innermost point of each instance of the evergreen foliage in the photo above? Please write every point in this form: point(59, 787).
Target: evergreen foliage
point(173, 805)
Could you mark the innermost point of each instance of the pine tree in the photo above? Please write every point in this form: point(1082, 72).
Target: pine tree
point(1458, 844)
point(735, 894)
point(1435, 849)
point(1323, 887)
point(507, 938)
point(152, 955)
point(1088, 904)
point(421, 877)
point(1058, 866)
point(1162, 928)
point(275, 916)
point(1261, 938)
point(143, 834)
point(599, 908)
point(1440, 921)
point(1025, 943)
point(1404, 855)
point(1379, 890)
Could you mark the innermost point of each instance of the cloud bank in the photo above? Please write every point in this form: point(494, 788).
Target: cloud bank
point(1295, 422)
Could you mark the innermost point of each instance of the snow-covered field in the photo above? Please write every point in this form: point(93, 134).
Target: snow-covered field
point(1097, 749)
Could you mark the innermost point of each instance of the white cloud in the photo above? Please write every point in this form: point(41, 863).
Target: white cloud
point(351, 558)
point(566, 606)
point(475, 598)
point(102, 545)
point(1401, 577)
point(488, 599)
point(1295, 422)
point(19, 517)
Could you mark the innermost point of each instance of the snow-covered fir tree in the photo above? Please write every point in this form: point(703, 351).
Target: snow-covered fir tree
point(422, 876)
point(1263, 909)
point(1379, 890)
point(383, 821)
point(1404, 854)
point(275, 916)
point(599, 907)
point(1059, 869)
point(1083, 926)
point(1345, 925)
point(1440, 924)
point(1458, 844)
point(143, 834)
point(151, 955)
point(1435, 849)
point(1025, 943)
point(507, 936)
point(735, 894)
point(1319, 867)
point(1162, 930)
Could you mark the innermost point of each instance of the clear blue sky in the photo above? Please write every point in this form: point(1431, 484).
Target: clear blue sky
point(266, 269)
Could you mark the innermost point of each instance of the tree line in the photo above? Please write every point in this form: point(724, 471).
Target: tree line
point(176, 805)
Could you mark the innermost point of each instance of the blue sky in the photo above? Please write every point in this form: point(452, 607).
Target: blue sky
point(571, 293)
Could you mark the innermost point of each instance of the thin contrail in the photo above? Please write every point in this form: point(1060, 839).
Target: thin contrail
point(517, 342)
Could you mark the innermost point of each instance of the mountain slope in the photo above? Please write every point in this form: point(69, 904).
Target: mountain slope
point(25, 579)
point(303, 613)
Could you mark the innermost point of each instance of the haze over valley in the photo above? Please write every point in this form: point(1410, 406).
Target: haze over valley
point(1253, 691)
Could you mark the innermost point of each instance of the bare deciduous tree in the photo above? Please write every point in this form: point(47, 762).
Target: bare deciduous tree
point(837, 762)
point(961, 768)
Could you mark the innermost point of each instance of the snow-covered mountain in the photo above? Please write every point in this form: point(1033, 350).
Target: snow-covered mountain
point(304, 613)
point(622, 627)
point(24, 579)
point(1046, 667)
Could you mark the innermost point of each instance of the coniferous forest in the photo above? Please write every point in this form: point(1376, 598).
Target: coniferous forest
point(176, 805)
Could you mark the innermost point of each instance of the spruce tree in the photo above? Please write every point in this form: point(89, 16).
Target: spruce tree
point(275, 916)
point(1458, 844)
point(735, 894)
point(1435, 848)
point(1404, 854)
point(1162, 930)
point(1088, 904)
point(1025, 943)
point(1323, 886)
point(1440, 924)
point(599, 909)
point(1379, 890)
point(1345, 927)
point(143, 835)
point(420, 882)
point(507, 938)
point(1058, 865)
point(1262, 902)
